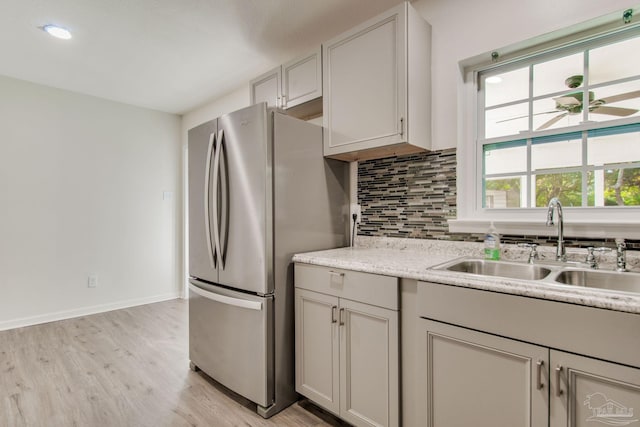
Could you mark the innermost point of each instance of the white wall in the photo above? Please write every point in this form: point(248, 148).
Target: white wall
point(233, 101)
point(81, 192)
point(462, 29)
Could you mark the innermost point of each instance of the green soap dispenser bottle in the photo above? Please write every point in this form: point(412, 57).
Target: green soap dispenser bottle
point(492, 244)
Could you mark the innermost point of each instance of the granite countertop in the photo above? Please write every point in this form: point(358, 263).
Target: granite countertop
point(413, 260)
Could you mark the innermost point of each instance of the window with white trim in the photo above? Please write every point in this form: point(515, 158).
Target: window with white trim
point(562, 123)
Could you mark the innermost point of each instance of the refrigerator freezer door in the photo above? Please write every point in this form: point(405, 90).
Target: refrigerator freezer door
point(246, 200)
point(231, 339)
point(202, 259)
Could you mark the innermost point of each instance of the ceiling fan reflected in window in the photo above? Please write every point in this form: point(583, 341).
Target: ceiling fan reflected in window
point(573, 103)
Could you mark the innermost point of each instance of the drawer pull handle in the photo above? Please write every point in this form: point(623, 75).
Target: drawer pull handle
point(336, 274)
point(559, 391)
point(333, 314)
point(342, 317)
point(223, 299)
point(539, 366)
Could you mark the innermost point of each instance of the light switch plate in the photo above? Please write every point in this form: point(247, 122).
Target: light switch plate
point(92, 282)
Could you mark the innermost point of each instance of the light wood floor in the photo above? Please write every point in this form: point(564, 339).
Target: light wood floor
point(123, 368)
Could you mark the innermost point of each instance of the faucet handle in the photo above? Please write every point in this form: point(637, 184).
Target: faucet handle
point(591, 258)
point(602, 249)
point(533, 253)
point(621, 255)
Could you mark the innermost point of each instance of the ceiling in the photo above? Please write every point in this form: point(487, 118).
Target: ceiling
point(167, 55)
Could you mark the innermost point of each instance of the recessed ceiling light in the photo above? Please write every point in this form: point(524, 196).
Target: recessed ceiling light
point(494, 79)
point(56, 31)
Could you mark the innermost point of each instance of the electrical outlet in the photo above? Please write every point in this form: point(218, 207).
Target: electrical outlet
point(93, 281)
point(357, 211)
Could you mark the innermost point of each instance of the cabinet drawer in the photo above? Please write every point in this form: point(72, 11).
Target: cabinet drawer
point(368, 288)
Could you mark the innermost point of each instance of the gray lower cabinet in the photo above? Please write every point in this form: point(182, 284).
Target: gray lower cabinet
point(346, 350)
point(475, 378)
point(480, 352)
point(590, 392)
point(318, 348)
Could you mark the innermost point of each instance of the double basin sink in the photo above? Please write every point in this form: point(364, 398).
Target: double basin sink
point(553, 273)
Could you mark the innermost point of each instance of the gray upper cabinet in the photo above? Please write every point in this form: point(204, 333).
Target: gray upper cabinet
point(376, 81)
point(302, 79)
point(267, 88)
point(291, 84)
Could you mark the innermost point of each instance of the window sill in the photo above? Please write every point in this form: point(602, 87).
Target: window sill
point(588, 229)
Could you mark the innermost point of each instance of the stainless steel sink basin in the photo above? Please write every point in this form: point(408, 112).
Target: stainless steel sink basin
point(612, 280)
point(551, 273)
point(498, 268)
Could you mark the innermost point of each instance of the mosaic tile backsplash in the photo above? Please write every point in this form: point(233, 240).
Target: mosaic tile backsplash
point(408, 196)
point(413, 196)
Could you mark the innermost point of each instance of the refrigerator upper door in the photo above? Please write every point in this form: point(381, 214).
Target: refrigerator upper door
point(202, 255)
point(246, 200)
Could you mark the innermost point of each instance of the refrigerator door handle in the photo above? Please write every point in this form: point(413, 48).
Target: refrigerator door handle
point(236, 302)
point(216, 212)
point(224, 226)
point(207, 195)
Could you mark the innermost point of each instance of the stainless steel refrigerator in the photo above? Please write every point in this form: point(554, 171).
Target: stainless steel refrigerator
point(260, 190)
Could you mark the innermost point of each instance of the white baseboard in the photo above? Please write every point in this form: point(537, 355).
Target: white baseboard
point(84, 311)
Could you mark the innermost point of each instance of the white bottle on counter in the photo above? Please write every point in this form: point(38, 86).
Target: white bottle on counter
point(492, 244)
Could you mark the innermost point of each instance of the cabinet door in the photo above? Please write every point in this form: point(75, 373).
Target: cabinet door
point(302, 79)
point(266, 88)
point(369, 367)
point(587, 392)
point(364, 85)
point(477, 379)
point(317, 351)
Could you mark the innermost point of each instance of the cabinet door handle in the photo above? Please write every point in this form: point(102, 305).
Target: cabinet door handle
point(559, 391)
point(539, 366)
point(342, 317)
point(401, 126)
point(336, 278)
point(333, 313)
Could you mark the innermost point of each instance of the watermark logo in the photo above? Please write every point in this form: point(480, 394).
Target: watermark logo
point(607, 411)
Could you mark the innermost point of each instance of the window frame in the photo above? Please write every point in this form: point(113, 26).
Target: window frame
point(593, 222)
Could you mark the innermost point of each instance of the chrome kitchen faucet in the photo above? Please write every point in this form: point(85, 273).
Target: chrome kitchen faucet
point(554, 204)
